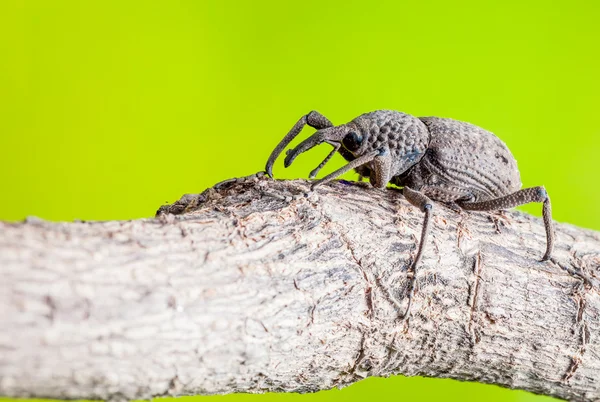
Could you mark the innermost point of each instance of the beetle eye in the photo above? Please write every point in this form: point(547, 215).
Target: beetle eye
point(352, 141)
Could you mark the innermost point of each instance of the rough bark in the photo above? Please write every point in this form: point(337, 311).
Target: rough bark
point(255, 287)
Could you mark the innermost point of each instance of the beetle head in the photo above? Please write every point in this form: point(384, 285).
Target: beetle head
point(401, 137)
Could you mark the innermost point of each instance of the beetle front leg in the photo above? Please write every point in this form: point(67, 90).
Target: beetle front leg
point(382, 167)
point(521, 197)
point(358, 162)
point(313, 119)
point(336, 147)
point(425, 204)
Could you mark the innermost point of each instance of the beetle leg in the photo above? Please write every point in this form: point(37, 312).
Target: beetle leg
point(425, 204)
point(382, 166)
point(521, 197)
point(353, 164)
point(313, 119)
point(336, 147)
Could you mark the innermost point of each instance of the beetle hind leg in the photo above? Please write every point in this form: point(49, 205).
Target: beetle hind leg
point(521, 197)
point(425, 204)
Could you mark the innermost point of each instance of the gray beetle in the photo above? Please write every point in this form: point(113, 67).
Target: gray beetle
point(432, 158)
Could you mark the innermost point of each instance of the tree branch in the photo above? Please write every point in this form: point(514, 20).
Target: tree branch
point(256, 287)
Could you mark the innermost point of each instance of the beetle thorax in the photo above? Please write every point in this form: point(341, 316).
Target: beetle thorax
point(403, 136)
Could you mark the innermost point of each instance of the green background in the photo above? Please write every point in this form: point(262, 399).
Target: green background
point(109, 108)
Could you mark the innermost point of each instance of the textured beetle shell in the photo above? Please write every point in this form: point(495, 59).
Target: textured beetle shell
point(403, 136)
point(462, 162)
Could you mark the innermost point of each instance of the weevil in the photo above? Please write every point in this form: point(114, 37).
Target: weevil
point(431, 158)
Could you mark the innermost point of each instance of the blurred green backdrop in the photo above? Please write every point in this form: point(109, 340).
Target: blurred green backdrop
point(111, 108)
